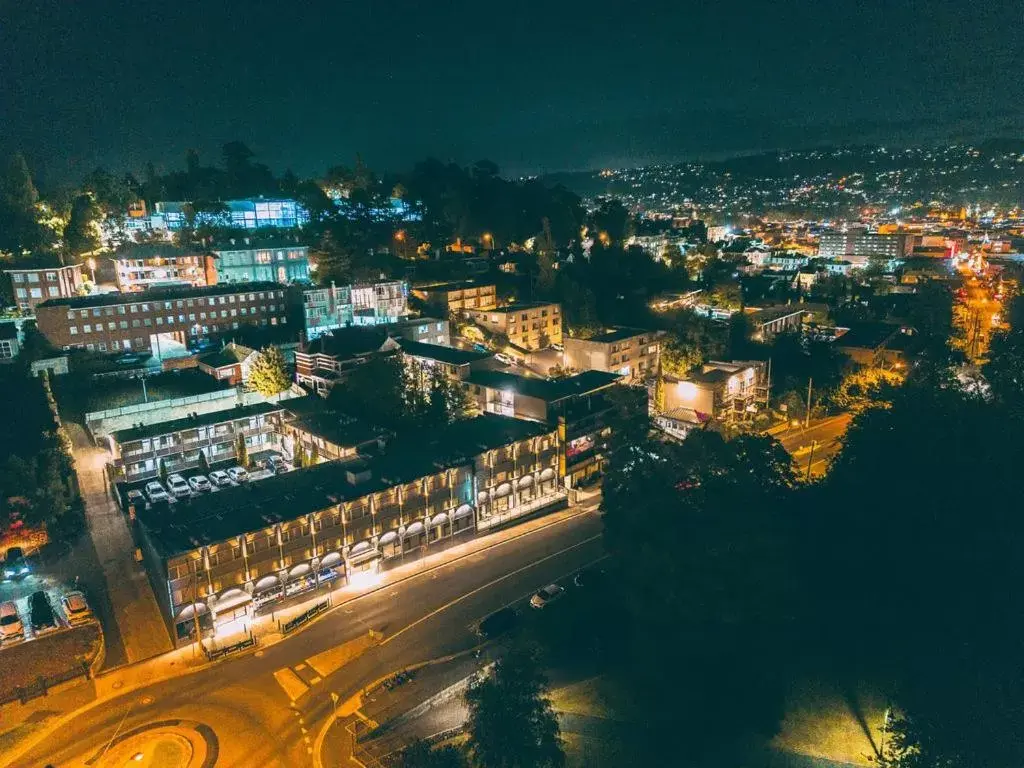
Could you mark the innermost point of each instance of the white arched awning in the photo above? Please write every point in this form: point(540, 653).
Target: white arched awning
point(547, 474)
point(232, 598)
point(482, 496)
point(464, 511)
point(440, 519)
point(413, 529)
point(526, 481)
point(299, 570)
point(358, 549)
point(503, 490)
point(330, 560)
point(389, 537)
point(187, 611)
point(267, 582)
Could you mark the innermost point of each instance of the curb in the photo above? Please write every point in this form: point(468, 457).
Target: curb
point(185, 671)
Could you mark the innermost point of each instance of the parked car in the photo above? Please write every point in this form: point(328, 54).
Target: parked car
point(549, 594)
point(178, 487)
point(15, 565)
point(199, 484)
point(10, 622)
point(238, 474)
point(501, 357)
point(498, 623)
point(135, 498)
point(75, 608)
point(155, 492)
point(277, 464)
point(220, 478)
point(43, 617)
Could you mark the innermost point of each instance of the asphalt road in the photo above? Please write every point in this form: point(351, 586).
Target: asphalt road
point(825, 437)
point(255, 721)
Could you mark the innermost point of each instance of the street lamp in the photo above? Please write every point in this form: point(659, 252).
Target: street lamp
point(488, 239)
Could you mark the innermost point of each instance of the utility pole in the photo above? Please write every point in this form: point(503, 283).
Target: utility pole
point(807, 419)
point(810, 459)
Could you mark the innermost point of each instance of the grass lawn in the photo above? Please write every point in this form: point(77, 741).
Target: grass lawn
point(77, 396)
point(586, 697)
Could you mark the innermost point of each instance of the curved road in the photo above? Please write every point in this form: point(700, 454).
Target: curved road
point(257, 723)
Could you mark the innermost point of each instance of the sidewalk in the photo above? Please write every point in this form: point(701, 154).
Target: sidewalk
point(189, 659)
point(138, 623)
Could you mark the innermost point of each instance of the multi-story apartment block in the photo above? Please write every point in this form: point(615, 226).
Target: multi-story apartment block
point(324, 361)
point(860, 247)
point(530, 326)
point(578, 406)
point(162, 265)
point(452, 298)
point(32, 285)
point(455, 363)
point(429, 330)
point(724, 391)
point(139, 451)
point(361, 304)
point(223, 555)
point(275, 263)
point(629, 352)
point(170, 217)
point(159, 320)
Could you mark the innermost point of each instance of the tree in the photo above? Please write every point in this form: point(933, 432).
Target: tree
point(81, 235)
point(420, 754)
point(163, 471)
point(268, 374)
point(314, 455)
point(241, 451)
point(20, 227)
point(511, 723)
point(204, 463)
point(299, 455)
point(446, 400)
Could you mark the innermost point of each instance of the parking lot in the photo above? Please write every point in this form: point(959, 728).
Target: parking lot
point(18, 627)
point(197, 481)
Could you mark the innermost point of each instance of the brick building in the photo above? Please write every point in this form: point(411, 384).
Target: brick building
point(157, 320)
point(32, 285)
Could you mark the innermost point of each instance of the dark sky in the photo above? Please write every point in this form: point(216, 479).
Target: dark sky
point(535, 86)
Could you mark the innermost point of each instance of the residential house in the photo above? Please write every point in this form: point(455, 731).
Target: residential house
point(230, 364)
point(322, 362)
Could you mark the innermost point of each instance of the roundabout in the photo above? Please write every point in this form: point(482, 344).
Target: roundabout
point(164, 744)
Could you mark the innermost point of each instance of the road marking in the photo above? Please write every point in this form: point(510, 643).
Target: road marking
point(488, 585)
point(290, 682)
point(299, 667)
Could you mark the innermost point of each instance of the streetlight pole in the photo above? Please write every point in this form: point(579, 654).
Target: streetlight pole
point(807, 419)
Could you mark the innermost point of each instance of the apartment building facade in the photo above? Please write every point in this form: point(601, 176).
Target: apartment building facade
point(31, 286)
point(629, 352)
point(115, 323)
point(379, 303)
point(280, 263)
point(162, 265)
point(323, 362)
point(138, 452)
point(224, 555)
point(530, 326)
point(452, 298)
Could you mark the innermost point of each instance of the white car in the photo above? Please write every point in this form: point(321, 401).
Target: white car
point(75, 608)
point(155, 492)
point(178, 487)
point(220, 478)
point(238, 474)
point(549, 594)
point(501, 357)
point(10, 622)
point(199, 484)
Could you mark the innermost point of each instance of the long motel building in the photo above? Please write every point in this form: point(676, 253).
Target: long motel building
point(223, 556)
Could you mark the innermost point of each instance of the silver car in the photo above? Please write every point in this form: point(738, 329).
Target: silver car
point(199, 484)
point(155, 492)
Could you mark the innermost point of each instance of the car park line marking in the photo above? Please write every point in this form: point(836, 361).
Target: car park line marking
point(290, 682)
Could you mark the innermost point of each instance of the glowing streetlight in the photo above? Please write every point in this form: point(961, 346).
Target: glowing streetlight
point(488, 239)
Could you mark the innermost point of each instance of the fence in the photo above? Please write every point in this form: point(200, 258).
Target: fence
point(43, 683)
point(212, 654)
point(302, 618)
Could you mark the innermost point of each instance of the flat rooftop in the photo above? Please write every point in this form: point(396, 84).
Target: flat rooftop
point(454, 285)
point(160, 294)
point(520, 307)
point(441, 353)
point(618, 334)
point(131, 434)
point(215, 517)
point(549, 390)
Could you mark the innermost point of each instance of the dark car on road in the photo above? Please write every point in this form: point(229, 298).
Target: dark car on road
point(498, 623)
point(15, 565)
point(43, 617)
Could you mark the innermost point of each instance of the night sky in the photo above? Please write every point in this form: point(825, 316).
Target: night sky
point(535, 86)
